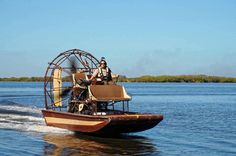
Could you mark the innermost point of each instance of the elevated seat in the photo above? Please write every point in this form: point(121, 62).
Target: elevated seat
point(77, 88)
point(76, 77)
point(108, 93)
point(79, 75)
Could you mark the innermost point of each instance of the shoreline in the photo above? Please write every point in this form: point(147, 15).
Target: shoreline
point(154, 79)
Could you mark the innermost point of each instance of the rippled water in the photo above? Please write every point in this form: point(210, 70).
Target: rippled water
point(199, 119)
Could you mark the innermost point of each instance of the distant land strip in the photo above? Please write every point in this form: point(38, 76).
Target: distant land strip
point(163, 78)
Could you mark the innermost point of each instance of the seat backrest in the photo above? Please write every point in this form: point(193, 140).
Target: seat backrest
point(108, 92)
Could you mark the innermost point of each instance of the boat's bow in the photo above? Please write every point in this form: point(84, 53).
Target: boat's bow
point(75, 122)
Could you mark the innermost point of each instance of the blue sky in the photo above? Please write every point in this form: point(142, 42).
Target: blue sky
point(137, 37)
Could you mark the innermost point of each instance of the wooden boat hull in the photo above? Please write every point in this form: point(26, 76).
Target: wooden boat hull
point(131, 123)
point(74, 122)
point(101, 124)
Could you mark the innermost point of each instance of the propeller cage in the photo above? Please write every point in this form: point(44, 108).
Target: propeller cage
point(58, 76)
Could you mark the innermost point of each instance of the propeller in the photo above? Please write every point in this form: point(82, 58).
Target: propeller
point(65, 92)
point(73, 69)
point(73, 65)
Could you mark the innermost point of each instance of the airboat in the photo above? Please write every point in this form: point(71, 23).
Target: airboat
point(74, 103)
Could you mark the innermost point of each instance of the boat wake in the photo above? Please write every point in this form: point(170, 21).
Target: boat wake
point(14, 116)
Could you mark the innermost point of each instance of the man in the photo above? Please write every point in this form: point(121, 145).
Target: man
point(102, 73)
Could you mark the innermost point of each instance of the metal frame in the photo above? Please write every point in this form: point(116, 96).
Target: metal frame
point(87, 62)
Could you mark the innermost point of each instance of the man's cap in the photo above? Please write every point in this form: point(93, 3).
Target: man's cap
point(103, 60)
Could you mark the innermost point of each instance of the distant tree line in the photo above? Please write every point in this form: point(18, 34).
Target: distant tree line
point(163, 78)
point(23, 79)
point(180, 78)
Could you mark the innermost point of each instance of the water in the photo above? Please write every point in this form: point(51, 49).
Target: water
point(199, 119)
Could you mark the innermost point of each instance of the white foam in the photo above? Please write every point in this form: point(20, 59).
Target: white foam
point(22, 109)
point(39, 126)
point(28, 123)
point(20, 117)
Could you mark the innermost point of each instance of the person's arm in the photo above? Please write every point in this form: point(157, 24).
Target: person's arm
point(114, 76)
point(95, 73)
